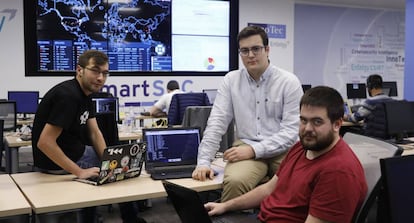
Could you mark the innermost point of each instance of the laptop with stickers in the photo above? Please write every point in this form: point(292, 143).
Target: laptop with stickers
point(118, 163)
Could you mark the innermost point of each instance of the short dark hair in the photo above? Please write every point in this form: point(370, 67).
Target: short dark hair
point(173, 85)
point(251, 31)
point(374, 81)
point(99, 58)
point(327, 97)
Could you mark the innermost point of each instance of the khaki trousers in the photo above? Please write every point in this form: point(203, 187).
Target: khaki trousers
point(242, 176)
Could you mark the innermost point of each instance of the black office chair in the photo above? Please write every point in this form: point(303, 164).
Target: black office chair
point(375, 125)
point(369, 151)
point(180, 102)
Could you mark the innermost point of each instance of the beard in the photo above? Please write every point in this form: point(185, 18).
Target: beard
point(317, 143)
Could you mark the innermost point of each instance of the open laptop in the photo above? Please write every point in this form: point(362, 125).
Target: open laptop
point(191, 209)
point(118, 163)
point(171, 152)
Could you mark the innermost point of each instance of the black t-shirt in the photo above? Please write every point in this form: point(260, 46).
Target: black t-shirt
point(66, 106)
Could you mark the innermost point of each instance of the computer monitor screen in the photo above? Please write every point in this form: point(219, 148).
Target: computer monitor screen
point(398, 181)
point(392, 86)
point(306, 87)
point(356, 90)
point(106, 105)
point(183, 37)
point(26, 101)
point(211, 94)
point(400, 118)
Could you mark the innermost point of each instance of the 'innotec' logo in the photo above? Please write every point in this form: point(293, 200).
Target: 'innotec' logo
point(6, 15)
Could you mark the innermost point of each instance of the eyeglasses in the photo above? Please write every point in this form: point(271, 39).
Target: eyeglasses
point(98, 72)
point(244, 52)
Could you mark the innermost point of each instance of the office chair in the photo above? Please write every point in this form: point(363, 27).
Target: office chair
point(1, 142)
point(369, 151)
point(197, 116)
point(8, 114)
point(180, 102)
point(375, 125)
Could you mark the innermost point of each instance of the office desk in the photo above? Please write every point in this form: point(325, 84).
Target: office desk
point(12, 201)
point(50, 193)
point(12, 143)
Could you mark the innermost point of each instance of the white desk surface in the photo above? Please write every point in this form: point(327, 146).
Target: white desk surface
point(49, 193)
point(12, 201)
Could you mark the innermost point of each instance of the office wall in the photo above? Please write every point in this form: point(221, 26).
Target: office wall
point(270, 13)
point(147, 88)
point(342, 45)
point(409, 50)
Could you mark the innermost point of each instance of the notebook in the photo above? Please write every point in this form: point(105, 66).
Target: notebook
point(190, 208)
point(118, 163)
point(171, 152)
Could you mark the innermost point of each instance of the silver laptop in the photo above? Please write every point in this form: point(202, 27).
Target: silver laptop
point(118, 163)
point(171, 152)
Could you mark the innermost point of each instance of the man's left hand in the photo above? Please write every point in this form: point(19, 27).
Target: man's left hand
point(238, 153)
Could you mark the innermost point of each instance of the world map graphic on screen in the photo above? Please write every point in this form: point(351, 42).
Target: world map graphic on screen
point(135, 34)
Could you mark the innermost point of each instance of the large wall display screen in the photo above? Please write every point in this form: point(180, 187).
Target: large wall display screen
point(152, 37)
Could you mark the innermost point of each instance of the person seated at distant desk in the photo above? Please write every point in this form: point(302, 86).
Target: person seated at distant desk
point(371, 111)
point(320, 179)
point(160, 108)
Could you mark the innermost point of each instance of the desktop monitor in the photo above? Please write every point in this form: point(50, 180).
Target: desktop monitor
point(398, 183)
point(356, 90)
point(306, 87)
point(26, 101)
point(211, 94)
point(390, 87)
point(400, 118)
point(106, 106)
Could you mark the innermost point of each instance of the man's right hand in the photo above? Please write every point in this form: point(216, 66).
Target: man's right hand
point(90, 172)
point(215, 208)
point(202, 173)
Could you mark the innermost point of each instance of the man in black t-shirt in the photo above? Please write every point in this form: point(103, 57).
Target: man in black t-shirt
point(65, 122)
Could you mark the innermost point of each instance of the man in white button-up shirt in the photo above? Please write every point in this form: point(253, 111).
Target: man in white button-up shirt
point(264, 101)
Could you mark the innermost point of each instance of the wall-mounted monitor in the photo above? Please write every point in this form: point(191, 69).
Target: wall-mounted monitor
point(356, 90)
point(26, 101)
point(141, 38)
point(390, 88)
